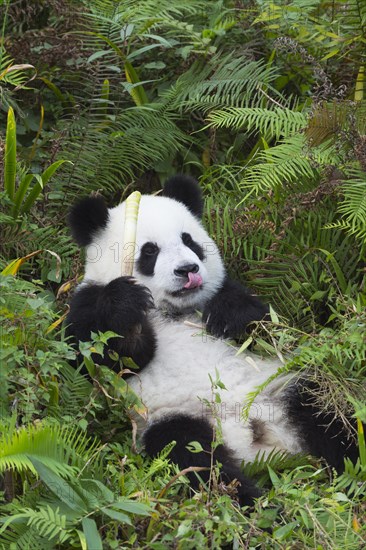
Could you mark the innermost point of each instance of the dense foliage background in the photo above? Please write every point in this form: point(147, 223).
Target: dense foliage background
point(265, 103)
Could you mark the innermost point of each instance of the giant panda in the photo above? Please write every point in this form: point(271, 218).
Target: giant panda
point(179, 285)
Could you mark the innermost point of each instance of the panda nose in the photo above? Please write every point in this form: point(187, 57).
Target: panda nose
point(185, 269)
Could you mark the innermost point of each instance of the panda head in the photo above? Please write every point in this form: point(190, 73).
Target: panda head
point(174, 256)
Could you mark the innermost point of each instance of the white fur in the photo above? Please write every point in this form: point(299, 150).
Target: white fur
point(178, 378)
point(162, 221)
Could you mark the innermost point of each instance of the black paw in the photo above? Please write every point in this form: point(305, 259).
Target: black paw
point(232, 309)
point(123, 304)
point(247, 492)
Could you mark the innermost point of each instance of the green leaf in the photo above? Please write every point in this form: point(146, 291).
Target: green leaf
point(284, 531)
point(10, 155)
point(119, 516)
point(59, 486)
point(338, 271)
point(318, 295)
point(273, 315)
point(97, 55)
point(42, 180)
point(142, 50)
point(273, 476)
point(194, 447)
point(245, 345)
point(93, 540)
point(20, 194)
point(128, 505)
point(138, 93)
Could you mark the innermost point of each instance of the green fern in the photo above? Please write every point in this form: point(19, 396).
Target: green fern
point(283, 165)
point(352, 207)
point(276, 122)
point(222, 81)
point(61, 449)
point(278, 460)
point(48, 523)
point(138, 138)
point(23, 537)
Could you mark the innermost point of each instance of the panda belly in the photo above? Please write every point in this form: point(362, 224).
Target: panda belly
point(178, 380)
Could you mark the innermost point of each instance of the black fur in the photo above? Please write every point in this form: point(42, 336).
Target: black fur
point(184, 429)
point(193, 245)
point(323, 434)
point(147, 259)
point(121, 307)
point(230, 311)
point(186, 190)
point(86, 218)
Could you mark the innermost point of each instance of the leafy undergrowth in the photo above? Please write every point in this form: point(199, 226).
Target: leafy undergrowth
point(74, 476)
point(264, 102)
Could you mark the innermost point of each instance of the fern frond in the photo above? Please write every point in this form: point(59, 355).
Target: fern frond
point(327, 120)
point(20, 536)
point(353, 207)
point(276, 122)
point(61, 449)
point(290, 163)
point(46, 521)
point(220, 82)
point(75, 391)
point(139, 137)
point(278, 460)
point(148, 11)
point(16, 76)
point(279, 166)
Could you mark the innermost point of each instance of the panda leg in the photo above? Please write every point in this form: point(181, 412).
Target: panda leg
point(121, 307)
point(322, 433)
point(184, 429)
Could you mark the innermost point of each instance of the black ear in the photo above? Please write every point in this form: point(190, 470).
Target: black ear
point(86, 218)
point(186, 190)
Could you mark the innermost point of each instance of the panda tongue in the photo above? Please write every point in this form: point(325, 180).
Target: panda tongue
point(194, 280)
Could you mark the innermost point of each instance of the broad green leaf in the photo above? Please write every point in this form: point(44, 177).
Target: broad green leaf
point(284, 531)
point(97, 55)
point(128, 505)
point(59, 486)
point(10, 155)
point(138, 93)
point(92, 536)
point(20, 194)
point(48, 173)
point(42, 180)
point(163, 41)
point(82, 539)
point(140, 51)
point(119, 516)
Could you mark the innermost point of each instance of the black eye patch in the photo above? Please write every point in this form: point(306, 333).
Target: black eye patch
point(146, 262)
point(195, 247)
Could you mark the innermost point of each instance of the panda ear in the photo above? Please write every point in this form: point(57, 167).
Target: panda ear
point(86, 218)
point(186, 190)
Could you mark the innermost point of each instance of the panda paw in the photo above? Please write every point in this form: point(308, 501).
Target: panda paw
point(124, 303)
point(231, 310)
